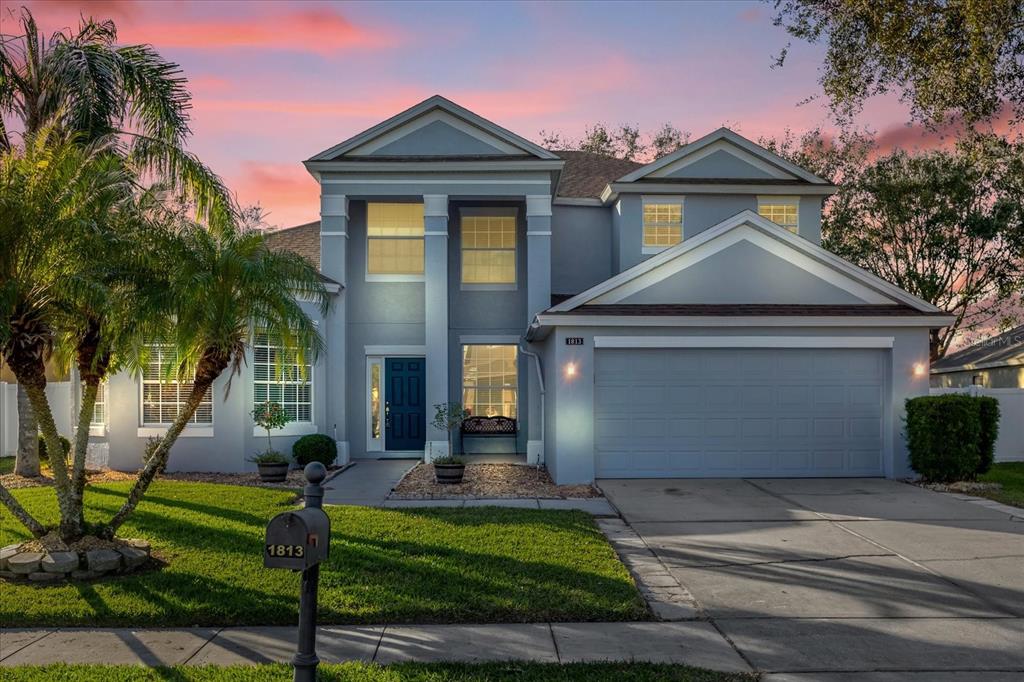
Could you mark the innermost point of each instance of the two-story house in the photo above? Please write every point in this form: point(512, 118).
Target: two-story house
point(678, 318)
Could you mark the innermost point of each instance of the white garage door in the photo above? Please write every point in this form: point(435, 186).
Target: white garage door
point(739, 412)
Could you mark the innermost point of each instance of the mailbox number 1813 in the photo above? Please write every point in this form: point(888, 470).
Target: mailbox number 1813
point(285, 550)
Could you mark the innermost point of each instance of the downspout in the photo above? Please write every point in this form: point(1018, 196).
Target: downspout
point(540, 380)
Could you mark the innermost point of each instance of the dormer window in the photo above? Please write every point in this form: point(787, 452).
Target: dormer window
point(663, 224)
point(783, 211)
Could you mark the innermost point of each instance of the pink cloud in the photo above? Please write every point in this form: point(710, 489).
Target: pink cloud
point(752, 15)
point(289, 193)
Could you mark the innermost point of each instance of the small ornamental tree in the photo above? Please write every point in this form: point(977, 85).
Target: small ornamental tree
point(448, 417)
point(270, 415)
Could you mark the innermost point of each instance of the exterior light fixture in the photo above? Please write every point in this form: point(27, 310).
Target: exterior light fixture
point(919, 369)
point(570, 370)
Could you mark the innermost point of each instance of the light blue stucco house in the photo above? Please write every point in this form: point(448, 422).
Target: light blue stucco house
point(674, 319)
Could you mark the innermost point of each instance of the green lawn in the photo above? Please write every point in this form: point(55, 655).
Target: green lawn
point(6, 465)
point(386, 566)
point(404, 672)
point(1011, 476)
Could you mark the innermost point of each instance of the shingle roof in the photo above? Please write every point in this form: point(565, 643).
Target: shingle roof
point(585, 174)
point(1005, 349)
point(301, 239)
point(715, 309)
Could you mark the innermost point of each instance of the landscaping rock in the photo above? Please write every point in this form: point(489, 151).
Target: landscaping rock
point(138, 544)
point(10, 575)
point(85, 575)
point(24, 563)
point(5, 554)
point(133, 558)
point(43, 577)
point(59, 562)
point(103, 560)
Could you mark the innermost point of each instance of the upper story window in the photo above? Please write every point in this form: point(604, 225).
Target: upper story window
point(783, 211)
point(164, 397)
point(394, 239)
point(488, 249)
point(281, 376)
point(663, 224)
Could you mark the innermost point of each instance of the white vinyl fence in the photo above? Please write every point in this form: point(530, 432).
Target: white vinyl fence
point(1010, 446)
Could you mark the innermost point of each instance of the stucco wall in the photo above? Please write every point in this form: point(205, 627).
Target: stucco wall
point(581, 247)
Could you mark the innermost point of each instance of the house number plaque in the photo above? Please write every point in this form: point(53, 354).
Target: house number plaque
point(574, 340)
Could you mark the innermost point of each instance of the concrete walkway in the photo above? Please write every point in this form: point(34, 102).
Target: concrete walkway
point(693, 643)
point(832, 579)
point(367, 482)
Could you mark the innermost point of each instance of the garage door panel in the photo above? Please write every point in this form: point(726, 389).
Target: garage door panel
point(739, 412)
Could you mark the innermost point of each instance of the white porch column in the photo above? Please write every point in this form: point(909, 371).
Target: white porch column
point(435, 270)
point(538, 298)
point(333, 253)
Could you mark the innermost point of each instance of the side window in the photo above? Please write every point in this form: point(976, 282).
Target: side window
point(783, 211)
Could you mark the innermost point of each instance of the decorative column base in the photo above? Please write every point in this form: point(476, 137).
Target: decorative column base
point(534, 452)
point(343, 455)
point(435, 449)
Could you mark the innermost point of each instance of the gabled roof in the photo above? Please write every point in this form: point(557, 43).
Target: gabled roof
point(510, 143)
point(778, 167)
point(999, 351)
point(585, 174)
point(848, 275)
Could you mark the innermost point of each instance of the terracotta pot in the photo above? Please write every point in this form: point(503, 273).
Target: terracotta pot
point(273, 473)
point(449, 473)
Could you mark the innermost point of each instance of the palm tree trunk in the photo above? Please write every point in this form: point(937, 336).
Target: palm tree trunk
point(159, 458)
point(36, 391)
point(72, 526)
point(19, 513)
point(27, 461)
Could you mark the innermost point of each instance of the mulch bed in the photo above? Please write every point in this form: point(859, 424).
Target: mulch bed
point(11, 481)
point(487, 481)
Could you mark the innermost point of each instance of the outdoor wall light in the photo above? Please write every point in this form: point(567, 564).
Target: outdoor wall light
point(919, 369)
point(570, 370)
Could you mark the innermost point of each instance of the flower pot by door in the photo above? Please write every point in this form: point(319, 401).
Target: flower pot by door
point(273, 473)
point(449, 473)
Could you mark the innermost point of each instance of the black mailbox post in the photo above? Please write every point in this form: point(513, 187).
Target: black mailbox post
point(300, 540)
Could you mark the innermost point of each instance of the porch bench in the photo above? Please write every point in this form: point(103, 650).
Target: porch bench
point(488, 427)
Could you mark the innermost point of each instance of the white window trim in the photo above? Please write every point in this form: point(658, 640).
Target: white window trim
point(161, 427)
point(191, 431)
point(662, 199)
point(389, 277)
point(99, 429)
point(785, 200)
point(292, 428)
point(497, 211)
point(376, 355)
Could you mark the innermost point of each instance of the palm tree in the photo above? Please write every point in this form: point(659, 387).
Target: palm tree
point(54, 192)
point(90, 86)
point(226, 285)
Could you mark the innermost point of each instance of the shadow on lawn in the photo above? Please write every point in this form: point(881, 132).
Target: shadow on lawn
point(212, 510)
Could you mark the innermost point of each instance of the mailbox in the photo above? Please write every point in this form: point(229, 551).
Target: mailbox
point(297, 539)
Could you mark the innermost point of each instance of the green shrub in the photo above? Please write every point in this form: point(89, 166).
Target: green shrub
point(944, 436)
point(989, 413)
point(315, 447)
point(64, 443)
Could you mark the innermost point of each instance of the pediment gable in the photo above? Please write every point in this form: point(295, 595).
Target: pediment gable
point(720, 155)
point(745, 259)
point(434, 128)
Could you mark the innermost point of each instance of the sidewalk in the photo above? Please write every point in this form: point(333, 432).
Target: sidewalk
point(695, 643)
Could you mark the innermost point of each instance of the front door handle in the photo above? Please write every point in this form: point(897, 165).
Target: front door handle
point(387, 415)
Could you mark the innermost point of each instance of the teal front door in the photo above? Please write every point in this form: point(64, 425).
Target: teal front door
point(405, 414)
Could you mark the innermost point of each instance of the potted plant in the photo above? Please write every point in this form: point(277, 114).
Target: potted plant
point(272, 465)
point(448, 417)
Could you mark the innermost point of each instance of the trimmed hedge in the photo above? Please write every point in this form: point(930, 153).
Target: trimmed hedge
point(315, 447)
point(64, 443)
point(951, 437)
point(989, 413)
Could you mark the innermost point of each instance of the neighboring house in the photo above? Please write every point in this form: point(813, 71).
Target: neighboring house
point(993, 363)
point(678, 318)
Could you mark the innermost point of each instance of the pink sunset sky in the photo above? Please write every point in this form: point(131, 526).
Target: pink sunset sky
point(275, 82)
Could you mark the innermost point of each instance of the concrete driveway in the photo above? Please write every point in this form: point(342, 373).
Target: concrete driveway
point(836, 578)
